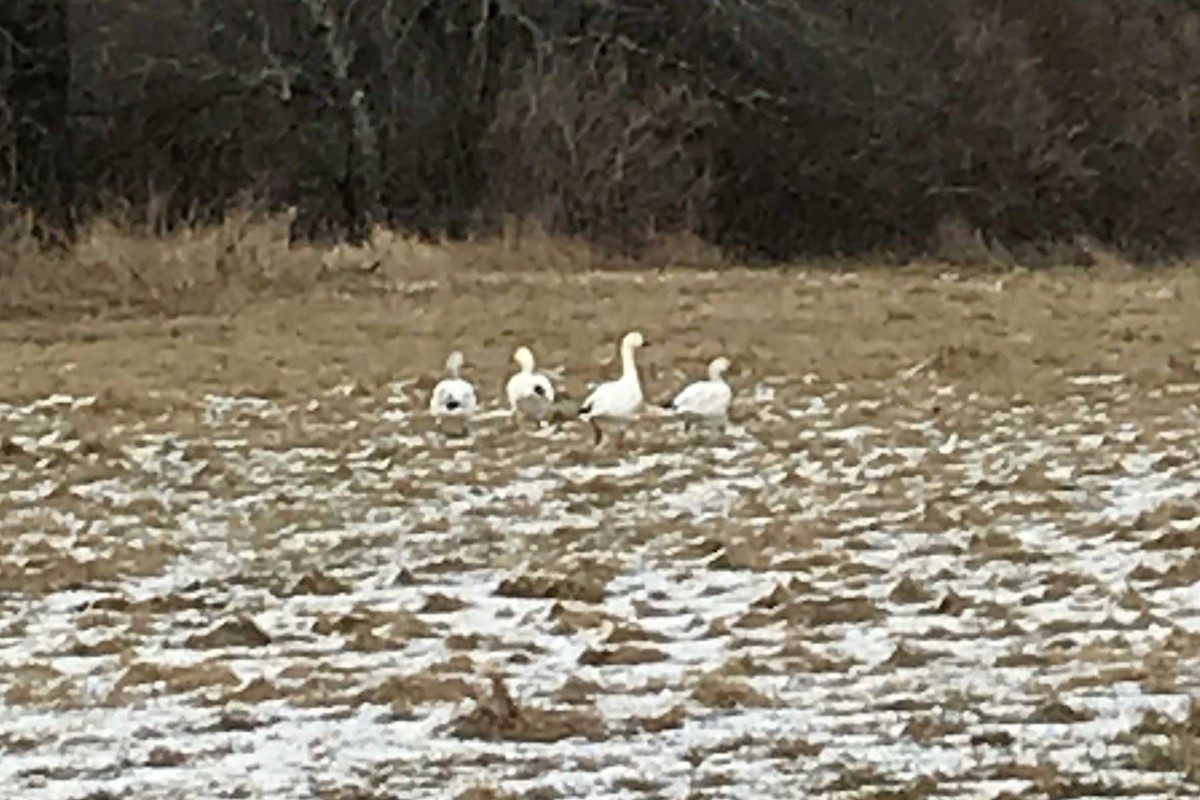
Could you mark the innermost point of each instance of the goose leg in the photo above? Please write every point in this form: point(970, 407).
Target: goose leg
point(620, 436)
point(597, 435)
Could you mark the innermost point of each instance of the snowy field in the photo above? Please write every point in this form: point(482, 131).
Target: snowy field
point(889, 589)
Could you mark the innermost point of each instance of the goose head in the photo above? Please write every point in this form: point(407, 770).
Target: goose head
point(632, 341)
point(718, 367)
point(524, 359)
point(454, 363)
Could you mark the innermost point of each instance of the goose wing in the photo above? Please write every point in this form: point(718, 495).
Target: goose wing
point(613, 399)
point(543, 387)
point(523, 385)
point(703, 398)
point(453, 396)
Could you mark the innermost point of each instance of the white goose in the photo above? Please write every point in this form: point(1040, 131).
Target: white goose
point(453, 397)
point(615, 403)
point(529, 393)
point(705, 402)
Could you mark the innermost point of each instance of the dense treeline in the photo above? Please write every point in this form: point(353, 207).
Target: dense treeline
point(772, 127)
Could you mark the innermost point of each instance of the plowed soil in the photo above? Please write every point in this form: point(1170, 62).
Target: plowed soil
point(946, 547)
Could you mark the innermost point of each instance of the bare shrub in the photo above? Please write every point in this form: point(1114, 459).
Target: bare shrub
point(577, 146)
point(955, 242)
point(1075, 119)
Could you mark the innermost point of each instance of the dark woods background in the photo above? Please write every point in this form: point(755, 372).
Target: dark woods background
point(772, 127)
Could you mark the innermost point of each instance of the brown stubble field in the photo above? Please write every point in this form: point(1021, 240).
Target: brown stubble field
point(947, 544)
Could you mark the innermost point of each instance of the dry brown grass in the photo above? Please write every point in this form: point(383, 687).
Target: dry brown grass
point(245, 311)
point(238, 305)
point(115, 267)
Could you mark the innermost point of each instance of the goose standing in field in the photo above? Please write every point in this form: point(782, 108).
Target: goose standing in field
point(615, 403)
point(529, 393)
point(453, 397)
point(705, 402)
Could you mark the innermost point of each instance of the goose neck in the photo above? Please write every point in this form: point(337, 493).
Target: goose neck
point(628, 365)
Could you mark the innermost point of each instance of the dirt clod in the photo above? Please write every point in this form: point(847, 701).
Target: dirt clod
point(314, 583)
point(554, 587)
point(438, 603)
point(909, 591)
point(165, 757)
point(498, 716)
point(622, 654)
point(239, 631)
point(717, 692)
